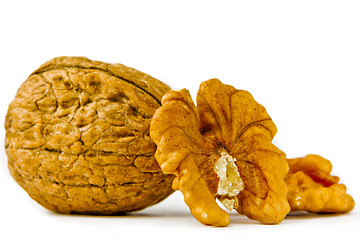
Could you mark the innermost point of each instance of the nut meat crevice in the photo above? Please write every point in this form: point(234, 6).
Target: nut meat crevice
point(230, 183)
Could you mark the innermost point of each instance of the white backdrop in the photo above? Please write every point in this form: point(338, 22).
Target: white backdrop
point(300, 59)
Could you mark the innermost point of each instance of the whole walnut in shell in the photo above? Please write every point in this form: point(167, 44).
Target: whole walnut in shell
point(77, 137)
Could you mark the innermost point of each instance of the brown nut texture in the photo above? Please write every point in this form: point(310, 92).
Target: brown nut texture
point(312, 188)
point(77, 137)
point(222, 149)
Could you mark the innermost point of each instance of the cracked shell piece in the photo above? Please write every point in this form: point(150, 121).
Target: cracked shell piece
point(222, 150)
point(77, 137)
point(312, 188)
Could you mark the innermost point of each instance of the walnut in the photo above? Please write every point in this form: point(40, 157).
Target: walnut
point(77, 137)
point(312, 188)
point(222, 150)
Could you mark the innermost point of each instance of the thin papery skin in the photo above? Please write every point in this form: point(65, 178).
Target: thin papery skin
point(312, 187)
point(188, 140)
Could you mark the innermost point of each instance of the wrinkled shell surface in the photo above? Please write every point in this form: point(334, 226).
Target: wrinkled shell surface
point(77, 137)
point(312, 187)
point(189, 139)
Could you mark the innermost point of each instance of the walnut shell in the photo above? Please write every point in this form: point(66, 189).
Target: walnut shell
point(77, 137)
